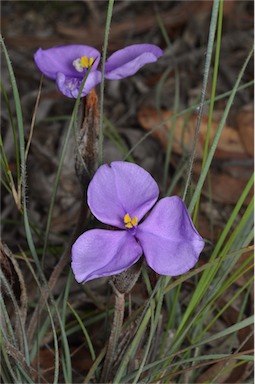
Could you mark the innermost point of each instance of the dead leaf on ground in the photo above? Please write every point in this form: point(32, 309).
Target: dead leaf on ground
point(245, 126)
point(231, 166)
point(222, 187)
point(229, 145)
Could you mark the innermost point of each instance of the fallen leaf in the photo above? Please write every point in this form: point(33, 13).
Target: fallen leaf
point(222, 187)
point(245, 126)
point(229, 145)
point(230, 169)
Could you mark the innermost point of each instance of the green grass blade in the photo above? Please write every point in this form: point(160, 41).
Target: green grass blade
point(208, 59)
point(217, 136)
point(101, 105)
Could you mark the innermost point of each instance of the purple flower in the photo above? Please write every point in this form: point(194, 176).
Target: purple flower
point(69, 64)
point(120, 195)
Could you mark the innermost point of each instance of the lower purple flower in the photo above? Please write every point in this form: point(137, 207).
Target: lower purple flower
point(121, 195)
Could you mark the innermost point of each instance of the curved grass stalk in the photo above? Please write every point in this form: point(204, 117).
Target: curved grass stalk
point(222, 310)
point(85, 332)
point(33, 121)
point(15, 139)
point(153, 304)
point(132, 347)
point(23, 341)
point(217, 135)
point(209, 51)
point(9, 178)
point(243, 356)
point(66, 360)
point(205, 282)
point(176, 99)
point(213, 92)
point(25, 213)
point(7, 371)
point(101, 105)
point(55, 339)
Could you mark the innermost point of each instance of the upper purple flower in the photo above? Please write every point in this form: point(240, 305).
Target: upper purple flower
point(69, 64)
point(121, 195)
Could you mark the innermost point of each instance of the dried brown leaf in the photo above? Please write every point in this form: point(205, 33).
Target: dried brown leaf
point(245, 126)
point(229, 145)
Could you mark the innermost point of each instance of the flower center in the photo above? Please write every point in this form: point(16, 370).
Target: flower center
point(83, 62)
point(72, 84)
point(130, 223)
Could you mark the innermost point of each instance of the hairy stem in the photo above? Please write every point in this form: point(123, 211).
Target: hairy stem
point(119, 308)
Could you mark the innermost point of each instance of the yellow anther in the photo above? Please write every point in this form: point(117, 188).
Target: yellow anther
point(83, 62)
point(86, 62)
point(127, 218)
point(130, 223)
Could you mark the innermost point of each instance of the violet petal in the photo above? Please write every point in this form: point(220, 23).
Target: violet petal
point(119, 189)
point(127, 61)
point(60, 59)
point(169, 239)
point(98, 252)
point(70, 86)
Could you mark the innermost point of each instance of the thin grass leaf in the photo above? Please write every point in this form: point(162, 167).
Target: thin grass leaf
point(132, 347)
point(8, 175)
point(217, 135)
point(223, 309)
point(213, 93)
point(33, 121)
point(112, 133)
point(54, 332)
point(20, 329)
point(210, 273)
point(15, 140)
point(7, 331)
point(147, 347)
point(213, 24)
point(101, 105)
point(66, 361)
point(175, 104)
point(93, 370)
point(244, 356)
point(228, 331)
point(60, 166)
point(8, 371)
point(85, 332)
point(22, 155)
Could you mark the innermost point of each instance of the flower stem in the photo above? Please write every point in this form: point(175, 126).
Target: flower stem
point(119, 308)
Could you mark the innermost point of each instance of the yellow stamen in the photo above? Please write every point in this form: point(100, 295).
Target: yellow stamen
point(86, 62)
point(130, 223)
point(83, 62)
point(127, 218)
